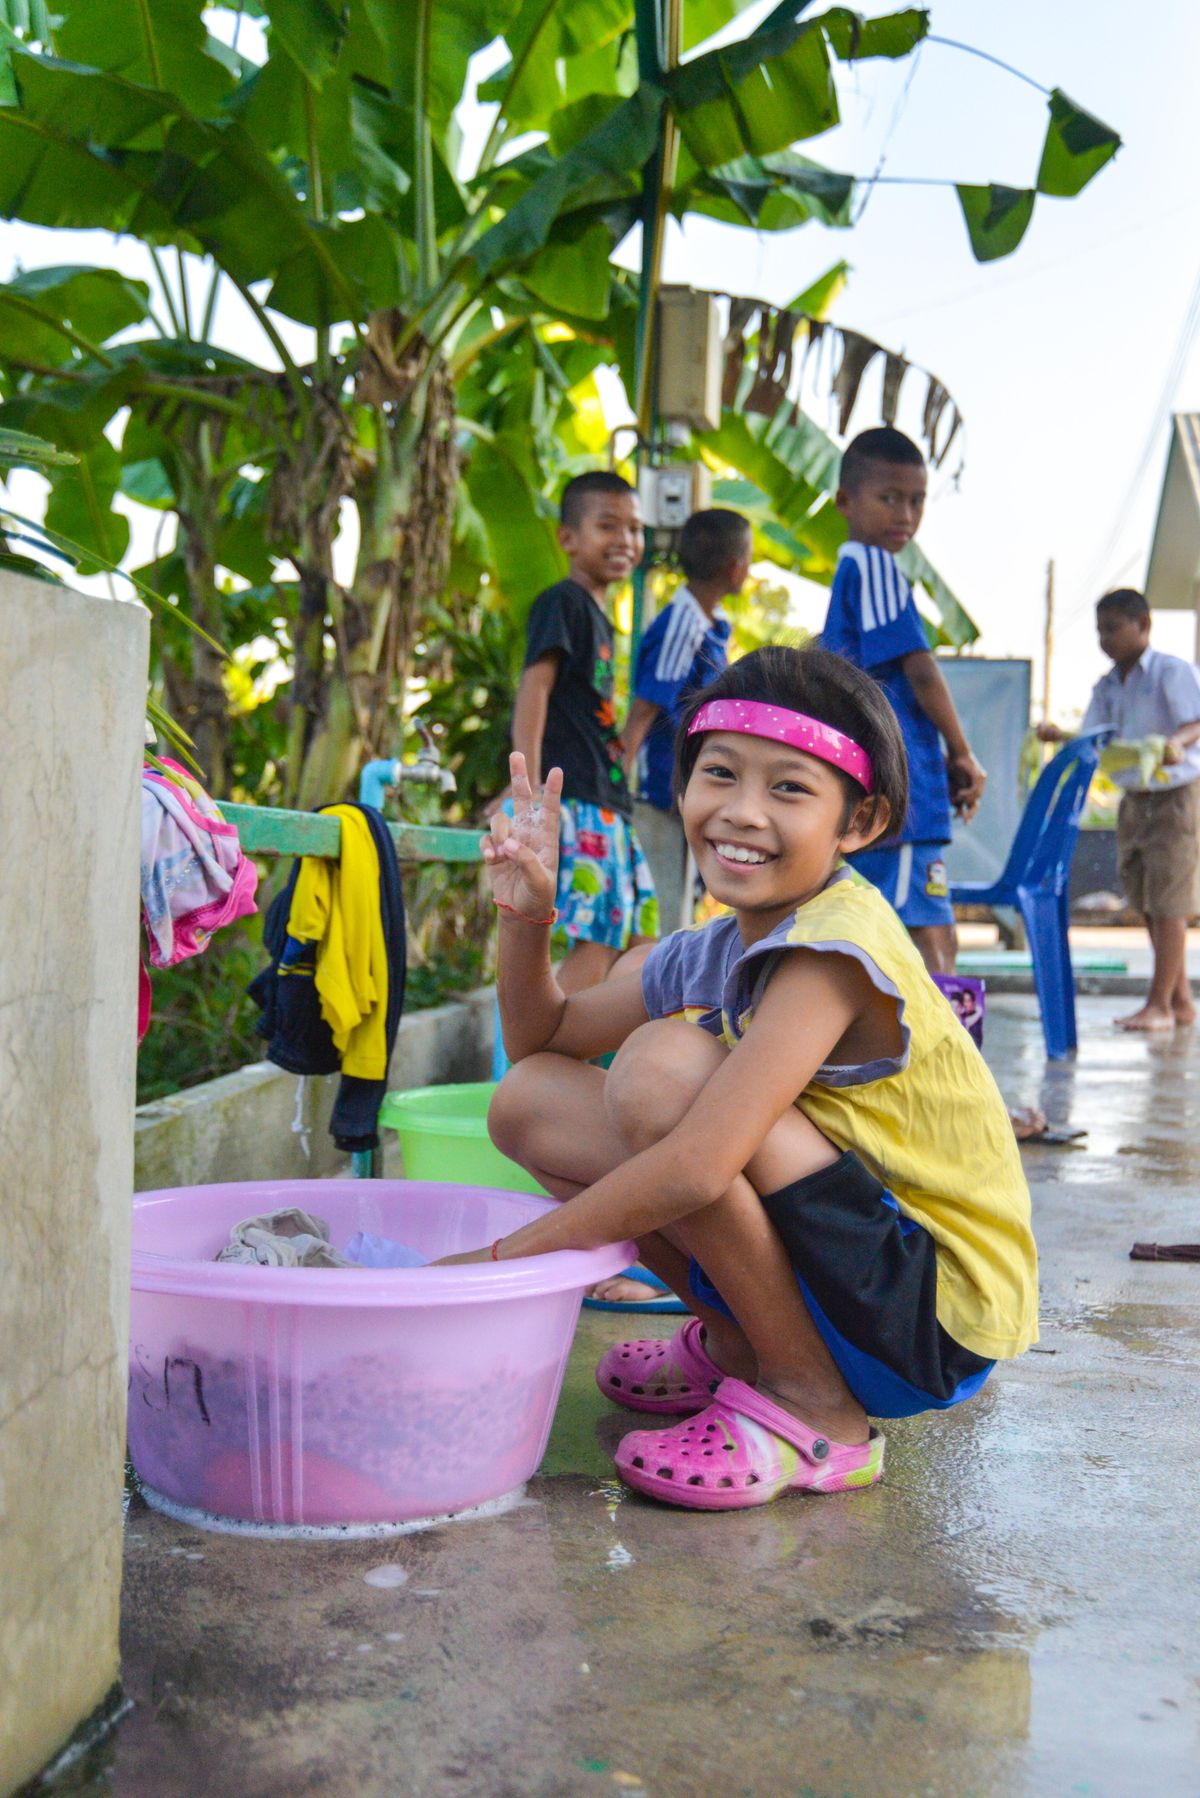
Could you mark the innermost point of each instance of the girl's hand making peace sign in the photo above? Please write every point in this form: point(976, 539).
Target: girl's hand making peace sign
point(521, 852)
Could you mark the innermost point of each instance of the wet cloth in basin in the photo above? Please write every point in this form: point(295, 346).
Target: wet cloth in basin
point(296, 1238)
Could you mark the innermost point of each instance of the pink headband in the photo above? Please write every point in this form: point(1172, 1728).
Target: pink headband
point(754, 719)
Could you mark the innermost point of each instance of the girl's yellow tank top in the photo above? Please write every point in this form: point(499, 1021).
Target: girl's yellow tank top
point(930, 1123)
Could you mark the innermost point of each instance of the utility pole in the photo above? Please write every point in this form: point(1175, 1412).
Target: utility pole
point(1048, 641)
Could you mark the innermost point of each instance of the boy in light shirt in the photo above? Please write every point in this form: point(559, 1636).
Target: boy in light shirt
point(1148, 694)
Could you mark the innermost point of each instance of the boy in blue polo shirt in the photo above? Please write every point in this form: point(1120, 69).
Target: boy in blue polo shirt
point(685, 647)
point(874, 623)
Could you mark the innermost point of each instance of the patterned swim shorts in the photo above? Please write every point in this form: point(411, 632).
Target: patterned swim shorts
point(605, 890)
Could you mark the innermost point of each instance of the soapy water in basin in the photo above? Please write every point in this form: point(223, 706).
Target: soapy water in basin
point(296, 1399)
point(351, 1441)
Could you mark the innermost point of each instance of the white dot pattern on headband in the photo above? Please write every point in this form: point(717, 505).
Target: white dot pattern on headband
point(757, 719)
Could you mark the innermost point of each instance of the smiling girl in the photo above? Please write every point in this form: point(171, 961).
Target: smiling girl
point(796, 1129)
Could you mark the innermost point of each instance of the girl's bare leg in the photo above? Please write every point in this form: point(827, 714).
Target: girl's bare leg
point(548, 1114)
point(569, 1123)
point(654, 1080)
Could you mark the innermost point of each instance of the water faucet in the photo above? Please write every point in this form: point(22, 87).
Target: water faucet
point(377, 777)
point(427, 769)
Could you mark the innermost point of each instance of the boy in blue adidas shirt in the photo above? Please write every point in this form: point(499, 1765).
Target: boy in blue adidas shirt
point(874, 623)
point(684, 649)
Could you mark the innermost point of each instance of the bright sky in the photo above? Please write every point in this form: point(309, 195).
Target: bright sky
point(1058, 357)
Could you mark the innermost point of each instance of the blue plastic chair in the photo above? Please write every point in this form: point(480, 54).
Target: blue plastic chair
point(1035, 878)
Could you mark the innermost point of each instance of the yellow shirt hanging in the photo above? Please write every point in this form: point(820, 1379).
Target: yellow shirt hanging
point(337, 906)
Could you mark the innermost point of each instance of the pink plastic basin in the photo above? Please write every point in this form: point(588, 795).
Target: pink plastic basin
point(319, 1397)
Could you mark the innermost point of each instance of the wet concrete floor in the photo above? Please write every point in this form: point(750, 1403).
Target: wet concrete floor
point(1014, 1611)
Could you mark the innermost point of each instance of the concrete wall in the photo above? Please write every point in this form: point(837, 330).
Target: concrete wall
point(242, 1126)
point(73, 680)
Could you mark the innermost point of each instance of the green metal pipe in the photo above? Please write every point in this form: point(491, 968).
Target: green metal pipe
point(649, 26)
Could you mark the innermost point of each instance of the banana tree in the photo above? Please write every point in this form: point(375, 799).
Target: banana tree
point(327, 185)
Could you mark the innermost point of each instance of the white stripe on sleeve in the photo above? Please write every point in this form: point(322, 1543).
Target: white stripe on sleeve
point(684, 635)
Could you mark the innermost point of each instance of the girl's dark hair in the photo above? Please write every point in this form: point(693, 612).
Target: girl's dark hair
point(823, 686)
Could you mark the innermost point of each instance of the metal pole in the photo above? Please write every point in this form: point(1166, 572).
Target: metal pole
point(659, 31)
point(648, 30)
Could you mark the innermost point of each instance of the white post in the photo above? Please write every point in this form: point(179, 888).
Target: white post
point(73, 678)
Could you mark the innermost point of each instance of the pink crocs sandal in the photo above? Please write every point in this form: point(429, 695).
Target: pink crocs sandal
point(668, 1377)
point(743, 1450)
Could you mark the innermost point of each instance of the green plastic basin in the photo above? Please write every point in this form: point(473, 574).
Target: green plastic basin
point(443, 1136)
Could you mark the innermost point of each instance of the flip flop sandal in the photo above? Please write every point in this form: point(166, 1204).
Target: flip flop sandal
point(671, 1378)
point(743, 1450)
point(667, 1302)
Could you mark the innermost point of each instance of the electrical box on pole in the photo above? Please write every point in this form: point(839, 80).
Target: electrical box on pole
point(689, 361)
point(670, 494)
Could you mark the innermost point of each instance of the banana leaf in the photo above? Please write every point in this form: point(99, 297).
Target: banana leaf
point(71, 414)
point(543, 38)
point(47, 314)
point(19, 450)
point(80, 508)
point(815, 300)
point(851, 37)
point(755, 97)
point(27, 19)
point(160, 44)
point(771, 193)
point(520, 530)
point(312, 32)
point(997, 218)
point(603, 165)
point(1077, 147)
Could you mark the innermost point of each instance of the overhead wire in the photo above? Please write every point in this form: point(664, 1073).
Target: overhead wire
point(872, 181)
point(1178, 362)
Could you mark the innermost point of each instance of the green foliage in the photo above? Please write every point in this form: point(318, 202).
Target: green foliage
point(47, 314)
point(458, 314)
point(997, 218)
point(602, 167)
point(157, 43)
point(896, 34)
point(311, 32)
point(816, 299)
point(201, 1024)
point(761, 95)
point(27, 19)
point(471, 671)
point(1077, 147)
point(80, 507)
point(772, 193)
point(19, 450)
point(434, 981)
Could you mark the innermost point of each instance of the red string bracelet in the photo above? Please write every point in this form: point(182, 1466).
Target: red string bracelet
point(552, 919)
point(495, 1246)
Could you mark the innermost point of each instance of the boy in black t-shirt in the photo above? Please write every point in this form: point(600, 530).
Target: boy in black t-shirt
point(564, 717)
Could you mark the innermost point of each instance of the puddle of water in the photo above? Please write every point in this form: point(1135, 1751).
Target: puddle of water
point(387, 1577)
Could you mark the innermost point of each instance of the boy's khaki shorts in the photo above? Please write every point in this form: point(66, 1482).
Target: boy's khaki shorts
point(1158, 851)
